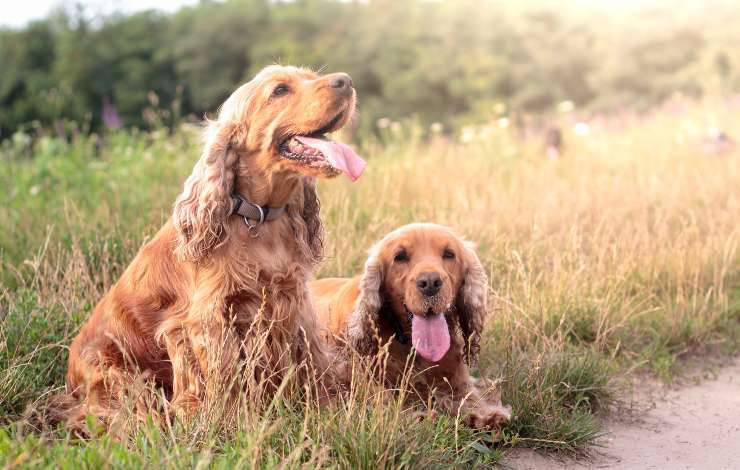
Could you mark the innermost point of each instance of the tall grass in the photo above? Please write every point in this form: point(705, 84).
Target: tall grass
point(623, 254)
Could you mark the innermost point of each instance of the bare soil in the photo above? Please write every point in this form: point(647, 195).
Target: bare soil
point(694, 426)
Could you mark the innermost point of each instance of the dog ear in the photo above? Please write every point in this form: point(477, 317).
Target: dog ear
point(473, 303)
point(304, 212)
point(311, 217)
point(201, 211)
point(362, 328)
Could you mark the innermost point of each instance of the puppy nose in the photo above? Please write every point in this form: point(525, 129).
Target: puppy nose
point(428, 283)
point(341, 82)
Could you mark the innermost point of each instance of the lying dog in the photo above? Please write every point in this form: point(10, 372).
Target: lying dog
point(423, 287)
point(236, 255)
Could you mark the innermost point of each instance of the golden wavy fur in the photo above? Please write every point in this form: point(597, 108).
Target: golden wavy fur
point(375, 309)
point(205, 287)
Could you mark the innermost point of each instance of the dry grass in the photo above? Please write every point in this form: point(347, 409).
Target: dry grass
point(630, 239)
point(621, 255)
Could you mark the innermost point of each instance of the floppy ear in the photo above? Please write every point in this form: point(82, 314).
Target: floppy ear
point(308, 231)
point(362, 328)
point(472, 304)
point(202, 209)
point(311, 216)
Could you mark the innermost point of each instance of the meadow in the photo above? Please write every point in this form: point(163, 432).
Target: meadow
point(619, 259)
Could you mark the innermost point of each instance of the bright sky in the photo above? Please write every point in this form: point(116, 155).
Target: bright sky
point(19, 12)
point(16, 13)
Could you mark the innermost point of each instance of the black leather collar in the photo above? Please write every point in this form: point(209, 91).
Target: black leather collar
point(252, 213)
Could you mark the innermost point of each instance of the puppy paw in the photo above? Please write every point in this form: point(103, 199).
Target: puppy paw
point(490, 417)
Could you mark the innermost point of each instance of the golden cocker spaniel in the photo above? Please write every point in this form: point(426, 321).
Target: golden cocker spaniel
point(423, 287)
point(233, 261)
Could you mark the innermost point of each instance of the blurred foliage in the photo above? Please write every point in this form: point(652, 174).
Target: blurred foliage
point(442, 61)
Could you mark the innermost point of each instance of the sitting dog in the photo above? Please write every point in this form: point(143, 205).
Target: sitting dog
point(236, 255)
point(423, 288)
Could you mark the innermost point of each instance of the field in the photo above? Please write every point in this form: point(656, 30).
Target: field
point(618, 259)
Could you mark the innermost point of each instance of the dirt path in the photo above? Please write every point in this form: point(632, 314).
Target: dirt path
point(694, 427)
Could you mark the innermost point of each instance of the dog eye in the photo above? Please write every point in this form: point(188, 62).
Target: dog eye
point(448, 254)
point(280, 90)
point(401, 257)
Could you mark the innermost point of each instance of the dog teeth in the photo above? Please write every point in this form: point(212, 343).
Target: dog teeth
point(295, 150)
point(295, 147)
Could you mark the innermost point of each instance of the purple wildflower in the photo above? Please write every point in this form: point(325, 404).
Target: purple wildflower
point(111, 119)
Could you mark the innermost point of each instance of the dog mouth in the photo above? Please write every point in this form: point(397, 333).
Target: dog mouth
point(332, 125)
point(317, 151)
point(424, 313)
point(430, 334)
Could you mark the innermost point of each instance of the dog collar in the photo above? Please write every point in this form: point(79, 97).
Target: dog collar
point(254, 214)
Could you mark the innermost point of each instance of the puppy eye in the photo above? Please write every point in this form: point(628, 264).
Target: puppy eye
point(401, 257)
point(448, 254)
point(280, 90)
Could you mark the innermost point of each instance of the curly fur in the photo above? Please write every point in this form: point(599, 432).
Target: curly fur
point(356, 312)
point(362, 328)
point(207, 296)
point(472, 305)
point(471, 301)
point(203, 207)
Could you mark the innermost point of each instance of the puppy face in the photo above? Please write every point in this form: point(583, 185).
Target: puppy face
point(286, 112)
point(424, 271)
point(430, 277)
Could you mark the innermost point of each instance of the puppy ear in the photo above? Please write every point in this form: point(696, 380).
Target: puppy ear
point(362, 328)
point(201, 211)
point(473, 303)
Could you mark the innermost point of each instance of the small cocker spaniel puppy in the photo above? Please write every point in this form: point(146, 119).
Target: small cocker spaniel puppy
point(423, 287)
point(231, 266)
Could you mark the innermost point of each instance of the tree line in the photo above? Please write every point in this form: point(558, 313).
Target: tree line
point(441, 61)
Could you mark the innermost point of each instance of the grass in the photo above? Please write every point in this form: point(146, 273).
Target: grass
point(621, 256)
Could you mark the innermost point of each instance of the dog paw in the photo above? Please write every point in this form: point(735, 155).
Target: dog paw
point(490, 417)
point(184, 407)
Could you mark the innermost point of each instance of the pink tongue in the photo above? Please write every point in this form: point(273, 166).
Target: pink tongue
point(430, 336)
point(340, 156)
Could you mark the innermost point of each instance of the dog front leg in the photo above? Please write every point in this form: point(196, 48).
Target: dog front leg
point(187, 379)
point(482, 405)
point(477, 401)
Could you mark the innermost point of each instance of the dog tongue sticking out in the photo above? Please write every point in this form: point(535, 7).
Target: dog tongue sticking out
point(339, 155)
point(430, 336)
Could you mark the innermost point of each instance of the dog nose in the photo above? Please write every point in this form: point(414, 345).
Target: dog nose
point(428, 283)
point(341, 82)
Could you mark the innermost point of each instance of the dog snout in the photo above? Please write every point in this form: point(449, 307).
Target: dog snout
point(429, 283)
point(341, 82)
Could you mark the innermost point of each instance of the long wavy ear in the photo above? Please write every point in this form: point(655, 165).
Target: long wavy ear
point(362, 328)
point(473, 303)
point(311, 215)
point(202, 209)
point(308, 231)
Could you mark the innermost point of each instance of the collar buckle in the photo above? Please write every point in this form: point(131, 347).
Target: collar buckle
point(252, 226)
point(253, 214)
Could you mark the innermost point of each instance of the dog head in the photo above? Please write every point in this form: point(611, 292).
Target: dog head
point(427, 275)
point(268, 137)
